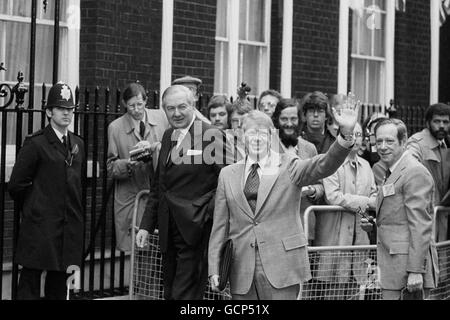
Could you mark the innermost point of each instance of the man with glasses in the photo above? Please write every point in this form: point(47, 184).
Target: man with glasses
point(138, 131)
point(46, 183)
point(406, 254)
point(268, 101)
point(315, 107)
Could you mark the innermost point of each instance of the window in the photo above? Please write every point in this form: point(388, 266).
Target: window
point(15, 36)
point(242, 49)
point(371, 53)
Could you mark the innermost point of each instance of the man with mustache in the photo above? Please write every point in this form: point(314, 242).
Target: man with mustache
point(430, 147)
point(286, 118)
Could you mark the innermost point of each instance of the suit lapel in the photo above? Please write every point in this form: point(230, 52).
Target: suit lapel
point(192, 140)
point(393, 178)
point(237, 188)
point(53, 139)
point(165, 148)
point(268, 179)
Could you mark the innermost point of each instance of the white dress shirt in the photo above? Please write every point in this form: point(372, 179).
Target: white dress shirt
point(60, 135)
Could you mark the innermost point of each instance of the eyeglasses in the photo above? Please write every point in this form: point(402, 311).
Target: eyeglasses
point(258, 133)
point(137, 105)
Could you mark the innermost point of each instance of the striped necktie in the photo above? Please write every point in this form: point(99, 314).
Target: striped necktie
point(252, 186)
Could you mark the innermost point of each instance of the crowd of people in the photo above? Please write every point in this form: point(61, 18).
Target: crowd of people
point(246, 175)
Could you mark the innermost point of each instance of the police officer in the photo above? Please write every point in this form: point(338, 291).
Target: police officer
point(46, 183)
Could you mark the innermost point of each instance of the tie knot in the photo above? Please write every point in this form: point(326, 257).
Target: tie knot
point(442, 145)
point(388, 173)
point(255, 166)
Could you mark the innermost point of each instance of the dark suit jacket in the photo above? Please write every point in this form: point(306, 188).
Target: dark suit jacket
point(49, 192)
point(185, 186)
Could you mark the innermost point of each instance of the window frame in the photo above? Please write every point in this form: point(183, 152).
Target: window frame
point(234, 42)
point(387, 86)
point(72, 43)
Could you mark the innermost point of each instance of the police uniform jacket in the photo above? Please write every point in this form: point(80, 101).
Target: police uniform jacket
point(47, 183)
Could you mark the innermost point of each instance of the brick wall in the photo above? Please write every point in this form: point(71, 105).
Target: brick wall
point(194, 31)
point(120, 42)
point(315, 46)
point(444, 74)
point(412, 54)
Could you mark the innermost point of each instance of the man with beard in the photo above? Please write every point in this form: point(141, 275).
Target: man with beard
point(430, 146)
point(286, 119)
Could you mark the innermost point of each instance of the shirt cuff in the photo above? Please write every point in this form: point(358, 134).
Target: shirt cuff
point(344, 143)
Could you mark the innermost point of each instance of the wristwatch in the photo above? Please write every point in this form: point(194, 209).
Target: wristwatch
point(347, 137)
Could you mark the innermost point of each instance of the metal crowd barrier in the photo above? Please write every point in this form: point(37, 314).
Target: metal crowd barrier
point(338, 272)
point(146, 281)
point(351, 273)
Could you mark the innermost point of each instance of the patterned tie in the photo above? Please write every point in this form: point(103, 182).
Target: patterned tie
point(141, 129)
point(251, 187)
point(388, 173)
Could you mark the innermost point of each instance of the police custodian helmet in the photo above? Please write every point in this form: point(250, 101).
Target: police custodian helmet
point(61, 96)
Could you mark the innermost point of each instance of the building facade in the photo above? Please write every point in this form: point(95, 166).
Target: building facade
point(378, 49)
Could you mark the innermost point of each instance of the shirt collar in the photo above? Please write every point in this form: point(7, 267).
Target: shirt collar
point(184, 131)
point(59, 134)
point(352, 159)
point(392, 168)
point(136, 123)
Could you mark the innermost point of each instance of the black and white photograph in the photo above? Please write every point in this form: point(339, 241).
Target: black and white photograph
point(212, 157)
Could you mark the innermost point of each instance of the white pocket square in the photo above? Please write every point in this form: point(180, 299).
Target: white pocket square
point(194, 152)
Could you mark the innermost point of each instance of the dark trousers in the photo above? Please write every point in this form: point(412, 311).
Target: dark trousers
point(185, 268)
point(30, 285)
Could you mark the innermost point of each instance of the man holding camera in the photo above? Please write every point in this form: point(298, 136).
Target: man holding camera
point(133, 148)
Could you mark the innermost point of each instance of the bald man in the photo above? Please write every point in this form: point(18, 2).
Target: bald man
point(182, 195)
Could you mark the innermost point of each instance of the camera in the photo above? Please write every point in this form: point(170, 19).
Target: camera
point(141, 154)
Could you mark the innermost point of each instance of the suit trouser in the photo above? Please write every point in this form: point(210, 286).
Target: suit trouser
point(185, 268)
point(29, 287)
point(261, 289)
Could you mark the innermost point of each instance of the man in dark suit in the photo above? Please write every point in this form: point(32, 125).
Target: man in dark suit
point(182, 193)
point(46, 182)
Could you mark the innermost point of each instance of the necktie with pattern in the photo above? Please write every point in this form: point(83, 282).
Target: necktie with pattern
point(388, 173)
point(251, 187)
